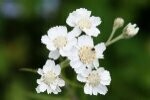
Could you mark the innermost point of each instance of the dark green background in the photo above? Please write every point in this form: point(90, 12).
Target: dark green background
point(23, 22)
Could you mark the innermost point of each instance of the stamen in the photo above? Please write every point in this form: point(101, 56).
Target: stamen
point(49, 77)
point(93, 79)
point(87, 54)
point(84, 23)
point(60, 42)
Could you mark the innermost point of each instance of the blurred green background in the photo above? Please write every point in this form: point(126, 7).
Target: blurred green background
point(23, 22)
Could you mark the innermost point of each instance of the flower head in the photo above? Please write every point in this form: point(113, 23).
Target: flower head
point(58, 41)
point(85, 54)
point(82, 20)
point(130, 30)
point(50, 79)
point(95, 81)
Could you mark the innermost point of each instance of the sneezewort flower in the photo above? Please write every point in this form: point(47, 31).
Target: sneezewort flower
point(58, 41)
point(50, 80)
point(130, 30)
point(85, 54)
point(95, 81)
point(82, 20)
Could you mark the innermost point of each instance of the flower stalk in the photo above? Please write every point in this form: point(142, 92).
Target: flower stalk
point(114, 40)
point(29, 70)
point(111, 35)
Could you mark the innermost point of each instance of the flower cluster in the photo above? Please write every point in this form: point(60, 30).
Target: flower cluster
point(78, 47)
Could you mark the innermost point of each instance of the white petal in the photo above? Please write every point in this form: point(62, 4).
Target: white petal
point(58, 89)
point(81, 70)
point(48, 66)
point(95, 91)
point(83, 12)
point(61, 82)
point(71, 42)
point(92, 31)
point(85, 40)
point(85, 71)
point(49, 90)
point(57, 70)
point(96, 63)
point(87, 89)
point(40, 71)
point(81, 78)
point(50, 46)
point(71, 20)
point(90, 66)
point(37, 89)
point(57, 31)
point(55, 91)
point(77, 15)
point(75, 64)
point(100, 70)
point(105, 78)
point(63, 52)
point(102, 89)
point(53, 86)
point(54, 54)
point(100, 48)
point(45, 39)
point(39, 81)
point(95, 21)
point(42, 87)
point(75, 32)
point(66, 53)
point(73, 54)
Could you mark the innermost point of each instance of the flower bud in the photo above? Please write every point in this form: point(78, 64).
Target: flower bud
point(118, 22)
point(130, 30)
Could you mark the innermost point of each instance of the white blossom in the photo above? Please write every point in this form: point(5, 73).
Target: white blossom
point(85, 54)
point(82, 20)
point(95, 81)
point(50, 80)
point(130, 30)
point(58, 41)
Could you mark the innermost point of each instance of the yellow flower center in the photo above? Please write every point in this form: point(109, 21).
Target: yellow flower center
point(84, 23)
point(49, 77)
point(87, 54)
point(93, 79)
point(60, 42)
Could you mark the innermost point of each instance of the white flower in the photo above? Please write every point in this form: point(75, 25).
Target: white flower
point(82, 20)
point(85, 54)
point(50, 79)
point(95, 81)
point(118, 22)
point(130, 30)
point(58, 41)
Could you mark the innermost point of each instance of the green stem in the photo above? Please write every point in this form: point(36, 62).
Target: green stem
point(64, 64)
point(28, 70)
point(71, 82)
point(71, 93)
point(114, 40)
point(112, 34)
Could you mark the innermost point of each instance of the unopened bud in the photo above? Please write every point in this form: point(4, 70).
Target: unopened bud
point(118, 22)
